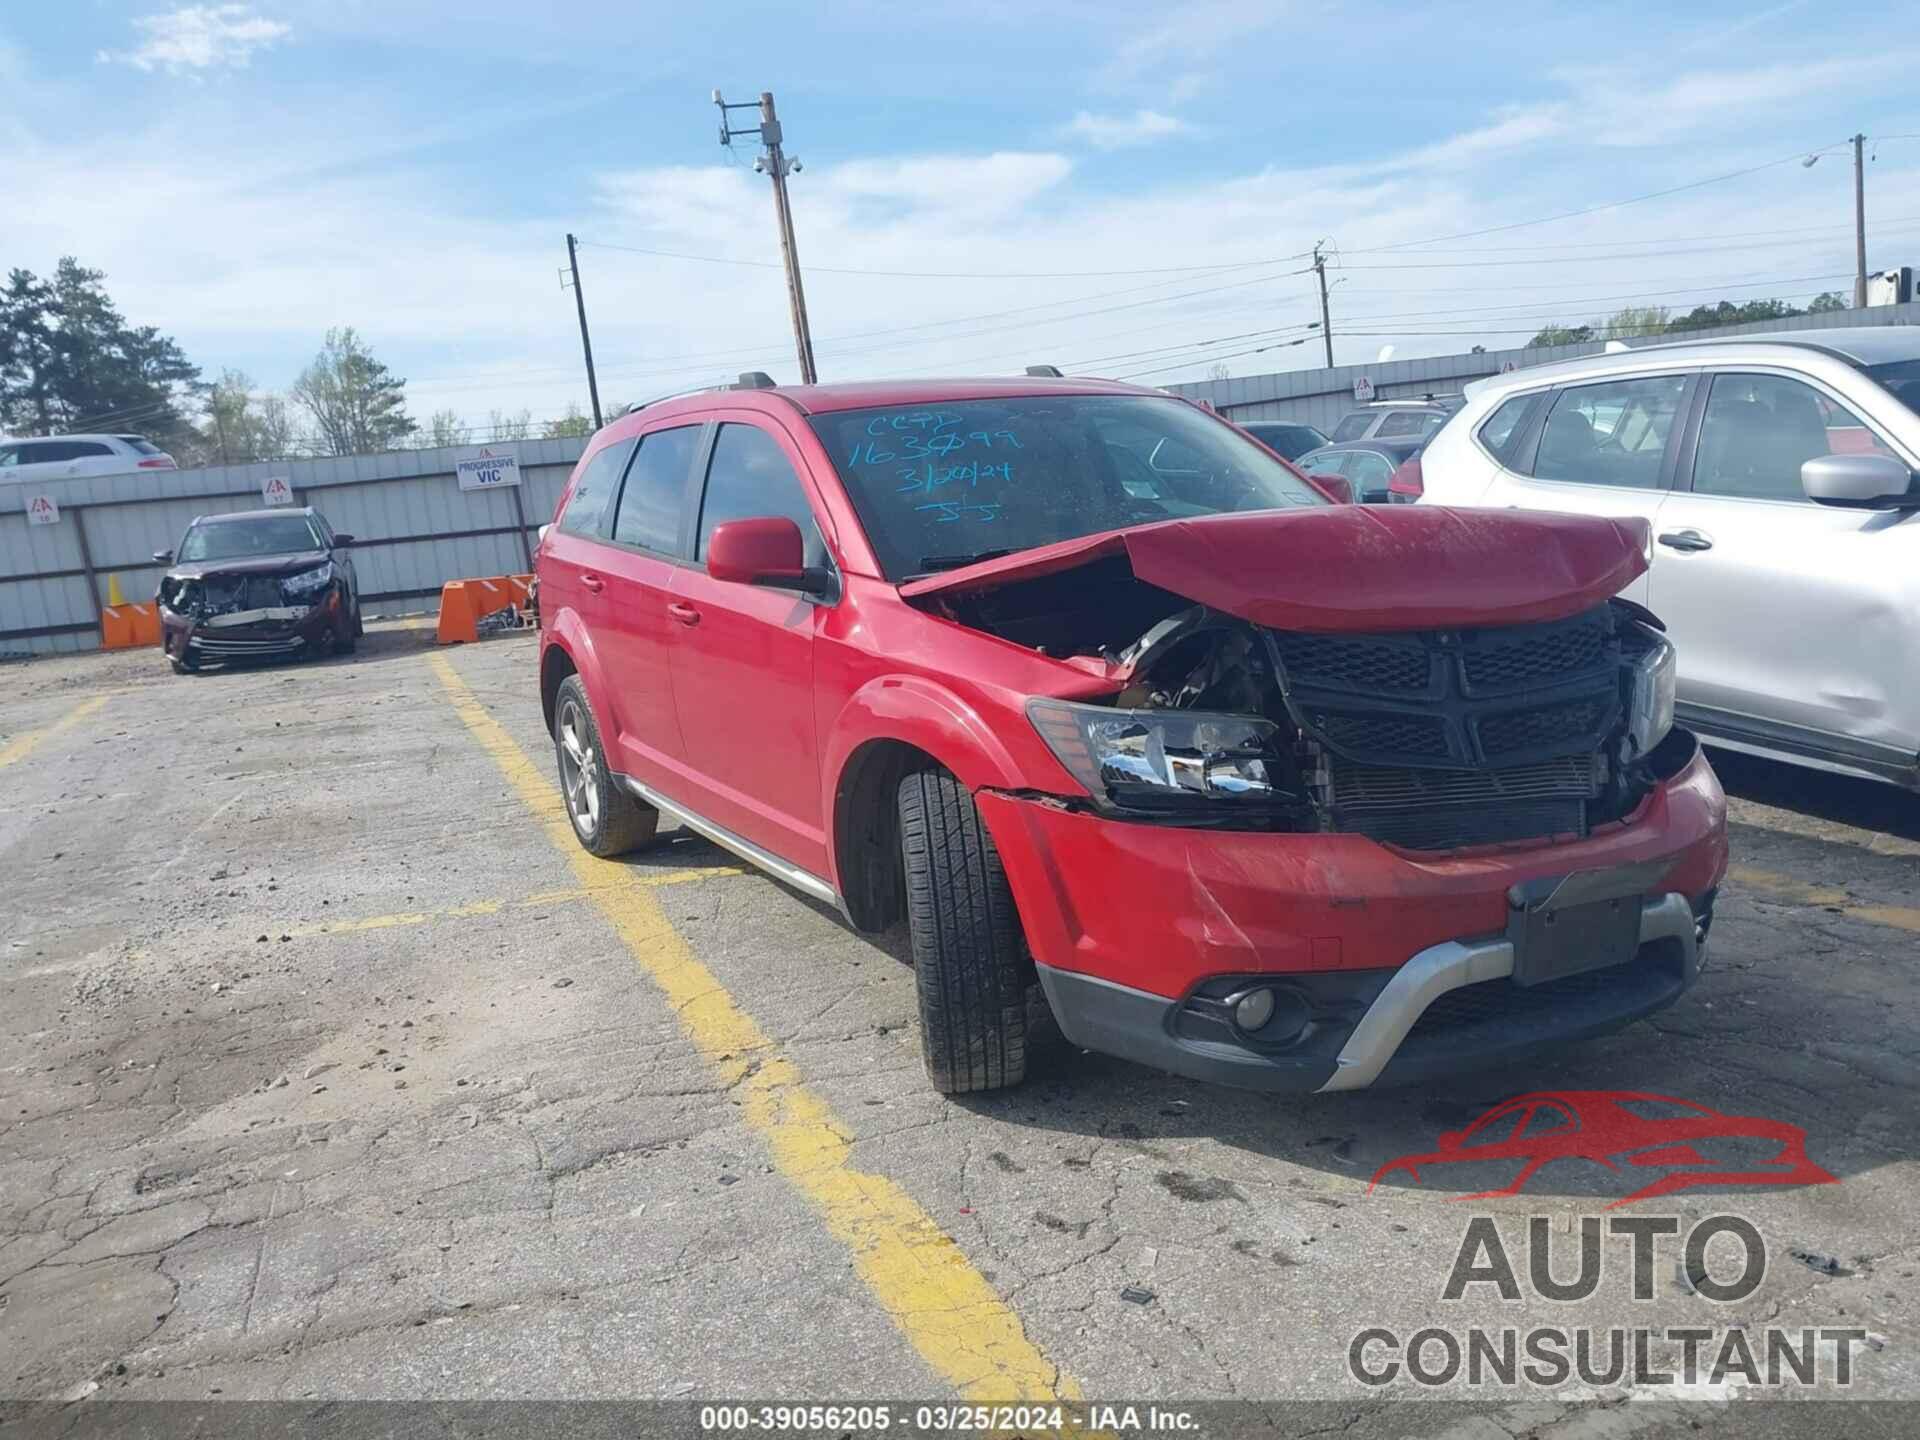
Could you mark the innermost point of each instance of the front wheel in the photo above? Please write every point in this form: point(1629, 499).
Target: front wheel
point(969, 965)
point(606, 819)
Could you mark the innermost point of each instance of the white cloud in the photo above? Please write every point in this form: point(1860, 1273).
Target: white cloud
point(199, 37)
point(1115, 132)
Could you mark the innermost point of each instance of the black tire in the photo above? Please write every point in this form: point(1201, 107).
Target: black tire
point(359, 625)
point(345, 638)
point(969, 963)
point(607, 820)
point(184, 667)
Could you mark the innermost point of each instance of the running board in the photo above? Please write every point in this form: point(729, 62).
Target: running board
point(805, 881)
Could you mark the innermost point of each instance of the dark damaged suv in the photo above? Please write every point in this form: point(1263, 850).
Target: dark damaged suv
point(1087, 687)
point(259, 584)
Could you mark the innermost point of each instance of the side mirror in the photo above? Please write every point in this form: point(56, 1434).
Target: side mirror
point(342, 539)
point(1871, 480)
point(766, 550)
point(163, 557)
point(1336, 488)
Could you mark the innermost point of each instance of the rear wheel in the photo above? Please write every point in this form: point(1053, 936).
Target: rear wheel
point(606, 819)
point(970, 967)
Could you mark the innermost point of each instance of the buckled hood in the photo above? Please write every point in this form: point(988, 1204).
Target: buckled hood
point(1354, 567)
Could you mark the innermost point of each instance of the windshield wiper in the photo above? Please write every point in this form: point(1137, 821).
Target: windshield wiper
point(931, 563)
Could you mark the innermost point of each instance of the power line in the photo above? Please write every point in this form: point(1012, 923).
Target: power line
point(952, 274)
point(1798, 157)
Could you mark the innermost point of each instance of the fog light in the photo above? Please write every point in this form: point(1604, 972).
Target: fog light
point(1253, 1009)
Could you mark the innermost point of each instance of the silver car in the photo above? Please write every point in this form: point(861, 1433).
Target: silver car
point(1780, 475)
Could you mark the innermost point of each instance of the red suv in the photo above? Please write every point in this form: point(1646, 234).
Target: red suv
point(1089, 688)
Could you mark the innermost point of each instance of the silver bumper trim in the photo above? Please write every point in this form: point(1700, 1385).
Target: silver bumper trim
point(1453, 963)
point(804, 881)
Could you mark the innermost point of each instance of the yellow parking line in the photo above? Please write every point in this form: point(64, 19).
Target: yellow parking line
point(945, 1307)
point(23, 744)
point(1784, 889)
point(545, 899)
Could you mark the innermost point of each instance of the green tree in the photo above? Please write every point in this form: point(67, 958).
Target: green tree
point(1632, 320)
point(574, 423)
point(70, 361)
point(1826, 301)
point(445, 428)
point(240, 426)
point(357, 405)
point(1562, 335)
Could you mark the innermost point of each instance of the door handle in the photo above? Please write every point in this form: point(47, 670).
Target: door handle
point(1689, 540)
point(593, 583)
point(685, 614)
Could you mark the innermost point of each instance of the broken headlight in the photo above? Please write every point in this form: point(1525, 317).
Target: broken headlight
point(309, 582)
point(1181, 761)
point(1650, 698)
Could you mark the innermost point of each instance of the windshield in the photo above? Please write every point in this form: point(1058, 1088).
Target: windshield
point(1901, 379)
point(938, 486)
point(256, 535)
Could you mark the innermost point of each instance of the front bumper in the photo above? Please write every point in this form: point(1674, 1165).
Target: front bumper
point(1402, 957)
point(279, 631)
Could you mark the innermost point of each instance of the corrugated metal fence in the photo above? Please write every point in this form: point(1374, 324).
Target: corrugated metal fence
point(414, 529)
point(1320, 397)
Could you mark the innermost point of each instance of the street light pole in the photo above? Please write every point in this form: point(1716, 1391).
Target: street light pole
point(586, 341)
point(1859, 224)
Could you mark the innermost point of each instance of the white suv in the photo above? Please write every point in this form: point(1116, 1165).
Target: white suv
point(55, 457)
point(1780, 475)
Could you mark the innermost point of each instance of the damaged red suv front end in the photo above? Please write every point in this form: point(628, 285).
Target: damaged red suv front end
point(1261, 789)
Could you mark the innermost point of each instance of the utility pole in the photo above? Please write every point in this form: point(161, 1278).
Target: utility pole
point(1859, 224)
point(1326, 320)
point(774, 163)
point(586, 341)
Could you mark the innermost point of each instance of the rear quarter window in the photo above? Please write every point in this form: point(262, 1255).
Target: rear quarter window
point(1501, 429)
point(1352, 427)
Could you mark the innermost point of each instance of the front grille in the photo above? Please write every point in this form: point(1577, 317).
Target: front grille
point(1544, 726)
point(1456, 699)
point(1531, 655)
point(1366, 663)
point(1384, 732)
point(232, 645)
point(1460, 825)
point(1357, 787)
point(241, 592)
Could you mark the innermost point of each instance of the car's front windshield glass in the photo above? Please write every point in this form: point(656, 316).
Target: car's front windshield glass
point(259, 535)
point(1900, 379)
point(939, 485)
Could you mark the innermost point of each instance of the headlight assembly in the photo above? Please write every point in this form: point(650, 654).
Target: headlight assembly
point(309, 582)
point(1650, 703)
point(1185, 762)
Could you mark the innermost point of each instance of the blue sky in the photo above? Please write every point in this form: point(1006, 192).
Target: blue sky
point(249, 174)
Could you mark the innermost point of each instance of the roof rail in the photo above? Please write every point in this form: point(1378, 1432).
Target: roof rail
point(1045, 372)
point(754, 380)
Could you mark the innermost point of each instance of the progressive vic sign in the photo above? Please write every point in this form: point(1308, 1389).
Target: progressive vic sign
point(488, 471)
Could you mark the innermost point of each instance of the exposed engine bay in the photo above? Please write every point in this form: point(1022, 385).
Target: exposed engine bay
point(1427, 739)
point(222, 600)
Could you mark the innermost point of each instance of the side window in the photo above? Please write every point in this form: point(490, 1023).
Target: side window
point(1332, 462)
point(655, 490)
point(89, 450)
point(1369, 471)
point(1498, 430)
point(1404, 423)
point(1614, 433)
point(749, 477)
point(588, 502)
point(1758, 430)
point(9, 456)
point(1353, 426)
point(1546, 1120)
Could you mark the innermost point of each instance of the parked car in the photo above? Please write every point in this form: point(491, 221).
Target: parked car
point(1367, 465)
point(56, 457)
point(1397, 419)
point(1286, 438)
point(1780, 475)
point(1244, 799)
point(258, 583)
